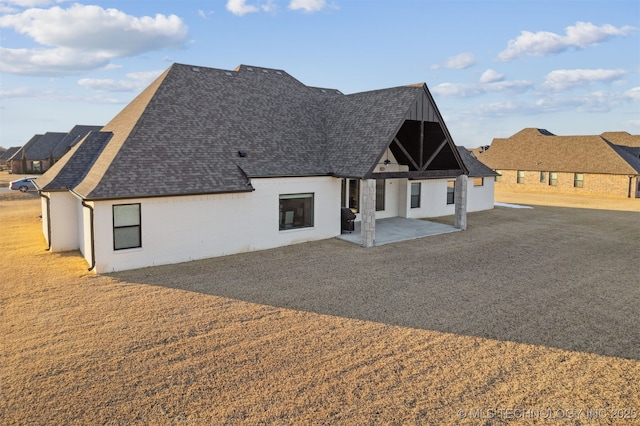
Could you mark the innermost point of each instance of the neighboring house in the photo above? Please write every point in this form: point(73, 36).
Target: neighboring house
point(537, 160)
point(6, 155)
point(208, 162)
point(42, 151)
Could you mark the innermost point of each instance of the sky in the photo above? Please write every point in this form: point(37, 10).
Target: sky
point(493, 67)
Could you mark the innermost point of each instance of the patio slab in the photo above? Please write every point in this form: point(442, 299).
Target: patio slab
point(395, 229)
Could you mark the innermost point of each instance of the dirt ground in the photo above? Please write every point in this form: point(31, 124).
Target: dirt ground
point(530, 316)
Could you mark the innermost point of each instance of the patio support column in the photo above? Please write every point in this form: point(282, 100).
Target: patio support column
point(368, 213)
point(460, 199)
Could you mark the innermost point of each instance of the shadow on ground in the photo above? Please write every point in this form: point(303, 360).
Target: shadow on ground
point(552, 276)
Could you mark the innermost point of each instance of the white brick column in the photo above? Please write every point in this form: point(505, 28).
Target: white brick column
point(460, 199)
point(368, 213)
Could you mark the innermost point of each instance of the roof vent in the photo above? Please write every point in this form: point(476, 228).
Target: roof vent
point(228, 73)
point(194, 69)
point(265, 71)
point(249, 69)
point(242, 153)
point(278, 72)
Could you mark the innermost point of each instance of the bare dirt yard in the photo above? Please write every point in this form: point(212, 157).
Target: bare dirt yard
point(530, 316)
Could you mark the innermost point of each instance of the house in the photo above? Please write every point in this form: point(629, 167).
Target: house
point(537, 160)
point(208, 162)
point(6, 155)
point(42, 151)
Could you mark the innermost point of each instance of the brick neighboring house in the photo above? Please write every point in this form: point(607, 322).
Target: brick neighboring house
point(537, 160)
point(42, 151)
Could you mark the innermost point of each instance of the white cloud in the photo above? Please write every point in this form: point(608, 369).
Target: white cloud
point(633, 94)
point(82, 37)
point(491, 76)
point(564, 79)
point(517, 86)
point(307, 5)
point(543, 43)
point(458, 62)
point(240, 7)
point(457, 90)
point(136, 82)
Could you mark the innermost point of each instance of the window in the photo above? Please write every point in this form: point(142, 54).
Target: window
point(520, 178)
point(499, 177)
point(296, 211)
point(126, 226)
point(36, 166)
point(451, 192)
point(543, 177)
point(478, 181)
point(354, 195)
point(415, 195)
point(578, 180)
point(380, 190)
point(553, 178)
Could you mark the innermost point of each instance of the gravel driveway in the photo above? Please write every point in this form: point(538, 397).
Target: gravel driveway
point(552, 276)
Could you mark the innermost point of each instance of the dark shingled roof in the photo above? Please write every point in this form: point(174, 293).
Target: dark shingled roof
point(9, 153)
point(184, 134)
point(475, 167)
point(533, 149)
point(73, 167)
point(41, 148)
point(74, 136)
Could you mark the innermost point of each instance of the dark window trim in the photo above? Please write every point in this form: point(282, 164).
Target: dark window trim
point(300, 196)
point(415, 199)
point(139, 225)
point(381, 190)
point(451, 192)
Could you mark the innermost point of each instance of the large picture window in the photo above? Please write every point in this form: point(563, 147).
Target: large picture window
point(415, 195)
point(126, 226)
point(296, 211)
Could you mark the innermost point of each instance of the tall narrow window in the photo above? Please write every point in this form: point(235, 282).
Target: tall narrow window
point(415, 195)
point(520, 178)
point(553, 178)
point(296, 211)
point(126, 226)
point(354, 195)
point(380, 191)
point(451, 192)
point(578, 180)
point(543, 177)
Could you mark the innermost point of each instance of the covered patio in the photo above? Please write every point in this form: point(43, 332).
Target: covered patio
point(395, 229)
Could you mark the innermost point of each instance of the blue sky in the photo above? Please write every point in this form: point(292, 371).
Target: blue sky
point(494, 67)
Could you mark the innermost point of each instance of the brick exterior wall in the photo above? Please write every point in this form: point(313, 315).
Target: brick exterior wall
point(597, 185)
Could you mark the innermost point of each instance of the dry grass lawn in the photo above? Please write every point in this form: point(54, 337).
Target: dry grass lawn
point(529, 316)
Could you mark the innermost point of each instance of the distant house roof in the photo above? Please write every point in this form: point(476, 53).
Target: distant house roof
point(9, 153)
point(199, 130)
point(538, 149)
point(40, 147)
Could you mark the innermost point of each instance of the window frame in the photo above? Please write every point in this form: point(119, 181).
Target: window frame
point(479, 179)
point(543, 177)
point(578, 183)
point(381, 189)
point(116, 246)
point(520, 177)
point(451, 192)
point(415, 199)
point(553, 178)
point(296, 223)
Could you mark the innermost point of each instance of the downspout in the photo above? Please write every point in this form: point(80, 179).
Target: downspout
point(48, 219)
point(93, 251)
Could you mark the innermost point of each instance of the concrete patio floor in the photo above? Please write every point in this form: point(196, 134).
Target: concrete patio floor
point(394, 229)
